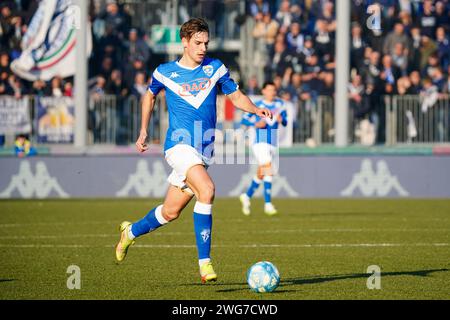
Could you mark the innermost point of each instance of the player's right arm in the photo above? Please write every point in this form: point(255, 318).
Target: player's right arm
point(148, 103)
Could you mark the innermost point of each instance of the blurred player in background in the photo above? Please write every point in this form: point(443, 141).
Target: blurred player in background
point(191, 85)
point(264, 146)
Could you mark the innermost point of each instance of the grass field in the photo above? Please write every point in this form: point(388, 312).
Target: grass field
point(321, 247)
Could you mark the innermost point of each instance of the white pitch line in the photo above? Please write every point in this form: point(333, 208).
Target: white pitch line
point(181, 246)
point(277, 231)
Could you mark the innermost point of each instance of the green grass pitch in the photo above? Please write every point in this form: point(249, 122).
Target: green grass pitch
point(322, 249)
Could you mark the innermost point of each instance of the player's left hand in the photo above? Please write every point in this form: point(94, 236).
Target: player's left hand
point(264, 113)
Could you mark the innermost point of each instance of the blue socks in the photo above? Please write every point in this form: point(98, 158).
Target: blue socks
point(202, 228)
point(267, 189)
point(153, 220)
point(253, 187)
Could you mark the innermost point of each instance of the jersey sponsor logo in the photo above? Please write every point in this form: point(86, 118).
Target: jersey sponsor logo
point(374, 183)
point(33, 185)
point(208, 70)
point(145, 183)
point(193, 87)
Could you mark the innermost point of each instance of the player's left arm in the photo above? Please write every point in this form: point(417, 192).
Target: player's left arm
point(241, 101)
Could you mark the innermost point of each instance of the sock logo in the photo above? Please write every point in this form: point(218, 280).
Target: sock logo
point(205, 234)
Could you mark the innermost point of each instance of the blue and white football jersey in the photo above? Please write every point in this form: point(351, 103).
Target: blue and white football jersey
point(269, 133)
point(191, 95)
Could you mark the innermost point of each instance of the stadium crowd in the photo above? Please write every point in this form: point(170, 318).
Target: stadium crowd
point(409, 54)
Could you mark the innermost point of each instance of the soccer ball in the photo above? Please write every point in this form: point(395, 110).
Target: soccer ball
point(263, 276)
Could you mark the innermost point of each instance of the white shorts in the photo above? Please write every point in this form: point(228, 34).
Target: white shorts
point(181, 158)
point(263, 153)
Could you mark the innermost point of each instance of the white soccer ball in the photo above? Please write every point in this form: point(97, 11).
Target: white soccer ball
point(263, 276)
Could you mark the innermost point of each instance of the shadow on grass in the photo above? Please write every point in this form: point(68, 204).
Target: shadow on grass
point(7, 280)
point(285, 283)
point(418, 273)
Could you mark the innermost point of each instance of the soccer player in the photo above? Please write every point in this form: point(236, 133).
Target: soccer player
point(264, 146)
point(191, 85)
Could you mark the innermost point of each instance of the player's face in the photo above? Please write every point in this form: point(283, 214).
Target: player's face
point(269, 93)
point(196, 46)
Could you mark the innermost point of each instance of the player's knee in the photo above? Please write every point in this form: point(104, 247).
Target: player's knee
point(170, 213)
point(207, 192)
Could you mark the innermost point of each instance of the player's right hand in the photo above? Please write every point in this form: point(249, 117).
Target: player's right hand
point(141, 145)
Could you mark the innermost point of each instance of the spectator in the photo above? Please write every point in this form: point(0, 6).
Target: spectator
point(294, 38)
point(132, 69)
point(6, 26)
point(327, 84)
point(17, 87)
point(429, 95)
point(68, 89)
point(356, 98)
point(442, 14)
point(438, 79)
point(114, 19)
point(431, 66)
point(357, 46)
point(416, 42)
point(23, 148)
point(428, 19)
point(443, 50)
point(427, 49)
point(115, 85)
point(259, 7)
point(266, 29)
point(403, 85)
point(252, 87)
point(284, 16)
point(136, 47)
point(323, 40)
point(406, 21)
point(98, 91)
point(279, 61)
point(415, 87)
point(56, 87)
point(396, 36)
point(400, 58)
point(327, 15)
point(139, 86)
point(371, 73)
point(39, 88)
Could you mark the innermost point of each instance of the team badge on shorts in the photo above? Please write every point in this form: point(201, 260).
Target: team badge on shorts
point(208, 70)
